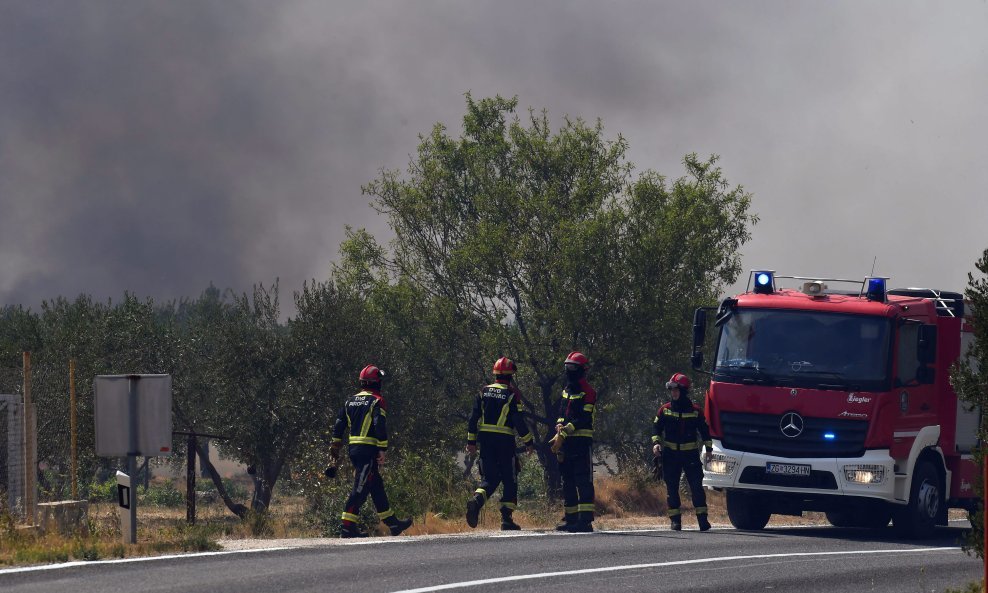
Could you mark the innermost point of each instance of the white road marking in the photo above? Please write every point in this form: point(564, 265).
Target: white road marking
point(545, 575)
point(128, 560)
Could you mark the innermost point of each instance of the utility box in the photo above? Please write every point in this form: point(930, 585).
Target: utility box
point(126, 508)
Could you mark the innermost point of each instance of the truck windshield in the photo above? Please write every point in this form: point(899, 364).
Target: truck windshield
point(804, 348)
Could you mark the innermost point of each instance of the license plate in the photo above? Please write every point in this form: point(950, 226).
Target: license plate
point(787, 469)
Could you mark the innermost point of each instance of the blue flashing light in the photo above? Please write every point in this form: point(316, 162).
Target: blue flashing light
point(763, 282)
point(876, 289)
point(829, 436)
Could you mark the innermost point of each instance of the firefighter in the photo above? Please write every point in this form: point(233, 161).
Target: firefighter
point(678, 426)
point(364, 418)
point(495, 419)
point(573, 445)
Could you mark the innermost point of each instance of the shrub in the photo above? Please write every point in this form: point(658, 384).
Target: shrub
point(103, 491)
point(162, 495)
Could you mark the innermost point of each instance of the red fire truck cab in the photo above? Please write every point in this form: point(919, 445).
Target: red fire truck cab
point(839, 401)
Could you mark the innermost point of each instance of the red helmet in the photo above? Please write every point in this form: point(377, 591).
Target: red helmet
point(577, 358)
point(505, 366)
point(371, 374)
point(678, 380)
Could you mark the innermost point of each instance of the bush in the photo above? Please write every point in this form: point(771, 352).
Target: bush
point(415, 484)
point(975, 587)
point(103, 491)
point(162, 495)
point(235, 489)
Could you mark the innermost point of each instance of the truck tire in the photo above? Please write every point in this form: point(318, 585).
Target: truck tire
point(840, 519)
point(866, 518)
point(746, 512)
point(917, 519)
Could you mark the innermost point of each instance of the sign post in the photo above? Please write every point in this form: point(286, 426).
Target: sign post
point(133, 418)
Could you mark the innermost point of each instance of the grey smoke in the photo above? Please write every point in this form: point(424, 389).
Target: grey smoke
point(158, 147)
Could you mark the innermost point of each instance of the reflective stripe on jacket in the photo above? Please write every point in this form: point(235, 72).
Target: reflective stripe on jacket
point(363, 418)
point(497, 410)
point(680, 429)
point(578, 411)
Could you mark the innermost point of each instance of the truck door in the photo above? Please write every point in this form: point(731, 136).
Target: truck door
point(913, 382)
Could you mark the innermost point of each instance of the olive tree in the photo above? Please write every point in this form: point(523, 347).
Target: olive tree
point(538, 241)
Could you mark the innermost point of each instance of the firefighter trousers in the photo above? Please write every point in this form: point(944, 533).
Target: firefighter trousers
point(674, 465)
point(576, 470)
point(367, 481)
point(498, 465)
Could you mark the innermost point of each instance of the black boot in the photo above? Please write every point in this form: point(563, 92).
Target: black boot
point(397, 525)
point(704, 523)
point(568, 522)
point(351, 532)
point(473, 510)
point(676, 523)
point(507, 523)
point(584, 523)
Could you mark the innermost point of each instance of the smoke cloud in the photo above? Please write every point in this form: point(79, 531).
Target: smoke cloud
point(158, 147)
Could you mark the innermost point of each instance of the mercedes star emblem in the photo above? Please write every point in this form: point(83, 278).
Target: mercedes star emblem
point(791, 425)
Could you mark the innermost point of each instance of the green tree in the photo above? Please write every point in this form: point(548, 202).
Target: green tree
point(970, 380)
point(239, 379)
point(535, 242)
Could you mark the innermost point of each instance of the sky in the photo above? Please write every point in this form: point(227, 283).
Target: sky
point(160, 147)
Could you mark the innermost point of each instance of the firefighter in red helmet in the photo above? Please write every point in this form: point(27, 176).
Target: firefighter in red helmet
point(677, 429)
point(573, 445)
point(495, 419)
point(363, 418)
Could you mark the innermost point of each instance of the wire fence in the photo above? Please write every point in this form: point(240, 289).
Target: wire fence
point(12, 458)
point(45, 436)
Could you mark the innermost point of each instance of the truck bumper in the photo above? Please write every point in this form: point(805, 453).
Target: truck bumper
point(747, 471)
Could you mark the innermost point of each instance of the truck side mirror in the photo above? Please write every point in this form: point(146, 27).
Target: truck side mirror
point(927, 347)
point(699, 335)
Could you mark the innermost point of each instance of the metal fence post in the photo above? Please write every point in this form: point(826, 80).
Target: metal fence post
point(190, 481)
point(74, 431)
point(30, 440)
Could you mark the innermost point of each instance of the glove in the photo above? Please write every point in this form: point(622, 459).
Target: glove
point(657, 468)
point(334, 452)
point(330, 472)
point(557, 443)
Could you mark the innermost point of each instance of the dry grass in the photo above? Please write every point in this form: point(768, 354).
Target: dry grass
point(99, 538)
point(621, 504)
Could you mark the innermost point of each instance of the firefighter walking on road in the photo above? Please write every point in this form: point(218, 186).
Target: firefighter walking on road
point(573, 445)
point(495, 419)
point(363, 418)
point(678, 426)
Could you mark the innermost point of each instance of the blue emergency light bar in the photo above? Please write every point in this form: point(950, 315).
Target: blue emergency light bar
point(764, 282)
point(875, 290)
point(829, 436)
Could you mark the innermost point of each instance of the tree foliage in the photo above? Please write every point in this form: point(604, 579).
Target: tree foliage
point(540, 242)
point(970, 378)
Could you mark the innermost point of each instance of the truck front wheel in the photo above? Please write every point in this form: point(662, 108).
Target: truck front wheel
point(746, 512)
point(867, 517)
point(918, 518)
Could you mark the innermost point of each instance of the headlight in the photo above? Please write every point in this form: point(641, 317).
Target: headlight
point(864, 474)
point(720, 464)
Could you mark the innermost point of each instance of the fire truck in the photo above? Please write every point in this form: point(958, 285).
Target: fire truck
point(838, 401)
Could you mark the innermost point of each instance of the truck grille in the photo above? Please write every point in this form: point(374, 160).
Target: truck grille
point(760, 433)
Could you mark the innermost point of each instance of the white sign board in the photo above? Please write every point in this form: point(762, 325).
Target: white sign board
point(139, 402)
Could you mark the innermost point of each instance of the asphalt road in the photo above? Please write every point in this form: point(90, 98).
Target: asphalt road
point(818, 559)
